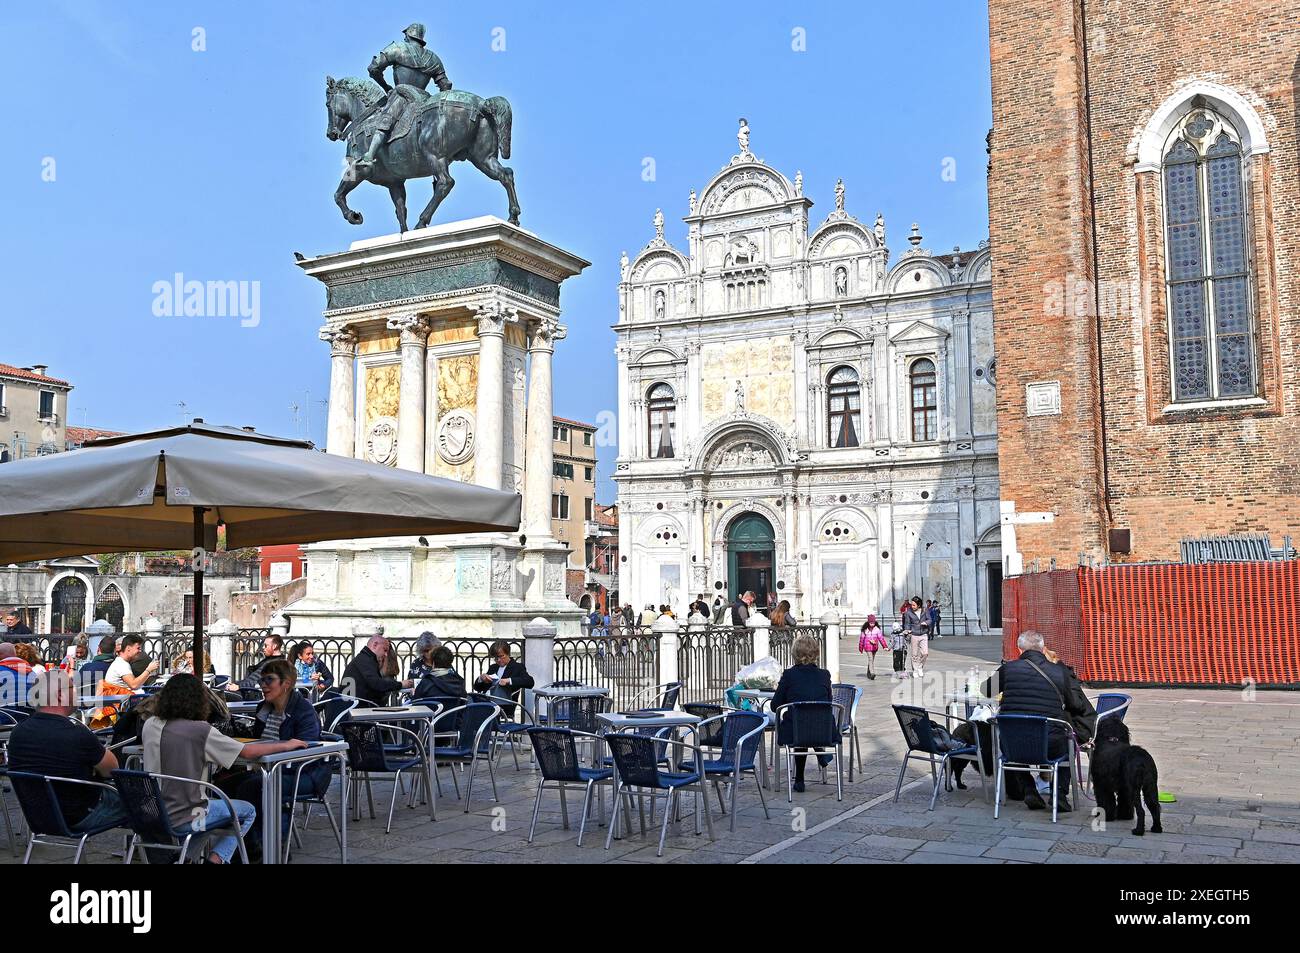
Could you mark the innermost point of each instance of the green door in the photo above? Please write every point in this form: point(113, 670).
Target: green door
point(751, 557)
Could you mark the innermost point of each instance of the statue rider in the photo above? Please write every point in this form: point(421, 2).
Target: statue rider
point(413, 67)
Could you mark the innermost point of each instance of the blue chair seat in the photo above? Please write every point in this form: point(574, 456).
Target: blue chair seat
point(716, 766)
point(465, 751)
point(1064, 759)
point(595, 774)
point(677, 779)
point(403, 764)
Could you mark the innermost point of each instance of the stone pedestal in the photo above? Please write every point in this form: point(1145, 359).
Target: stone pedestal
point(431, 334)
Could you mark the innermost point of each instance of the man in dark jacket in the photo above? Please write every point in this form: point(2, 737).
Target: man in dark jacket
point(1034, 685)
point(740, 609)
point(505, 677)
point(443, 681)
point(363, 677)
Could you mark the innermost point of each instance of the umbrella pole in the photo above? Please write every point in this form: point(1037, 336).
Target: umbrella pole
point(200, 556)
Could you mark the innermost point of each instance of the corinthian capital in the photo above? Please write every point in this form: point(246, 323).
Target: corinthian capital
point(413, 327)
point(544, 333)
point(493, 317)
point(342, 341)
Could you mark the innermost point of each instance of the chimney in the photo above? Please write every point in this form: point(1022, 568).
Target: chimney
point(41, 369)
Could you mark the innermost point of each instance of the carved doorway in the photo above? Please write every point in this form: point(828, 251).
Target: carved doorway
point(751, 557)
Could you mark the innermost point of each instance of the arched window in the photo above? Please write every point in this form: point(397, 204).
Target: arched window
point(844, 407)
point(661, 411)
point(1211, 331)
point(925, 402)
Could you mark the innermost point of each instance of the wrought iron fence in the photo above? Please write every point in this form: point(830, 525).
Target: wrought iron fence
point(708, 659)
point(780, 640)
point(470, 655)
point(52, 648)
point(624, 659)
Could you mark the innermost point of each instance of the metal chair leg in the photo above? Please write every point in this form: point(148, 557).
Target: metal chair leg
point(902, 769)
point(586, 806)
point(668, 814)
point(618, 809)
point(392, 803)
point(564, 806)
point(997, 788)
point(537, 809)
point(762, 799)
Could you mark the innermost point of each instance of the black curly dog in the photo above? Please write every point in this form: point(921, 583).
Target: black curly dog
point(1122, 775)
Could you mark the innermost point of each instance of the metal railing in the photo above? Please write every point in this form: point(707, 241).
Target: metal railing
point(470, 656)
point(708, 659)
point(623, 659)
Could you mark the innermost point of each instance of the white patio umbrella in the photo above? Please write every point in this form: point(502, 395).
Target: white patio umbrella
point(170, 489)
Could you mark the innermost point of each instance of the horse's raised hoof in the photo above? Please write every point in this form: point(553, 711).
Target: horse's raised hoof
point(354, 218)
point(422, 223)
point(514, 218)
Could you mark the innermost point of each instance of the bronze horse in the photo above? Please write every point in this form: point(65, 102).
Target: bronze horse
point(467, 128)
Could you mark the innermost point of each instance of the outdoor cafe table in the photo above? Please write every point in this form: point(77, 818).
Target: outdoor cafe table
point(549, 693)
point(271, 808)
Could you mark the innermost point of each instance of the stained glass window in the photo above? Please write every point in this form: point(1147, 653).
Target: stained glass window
point(1207, 254)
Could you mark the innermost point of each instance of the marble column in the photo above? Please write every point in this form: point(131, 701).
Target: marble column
point(489, 406)
point(539, 446)
point(341, 434)
point(410, 411)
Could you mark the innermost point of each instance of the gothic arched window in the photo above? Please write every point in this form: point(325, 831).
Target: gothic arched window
point(661, 412)
point(844, 407)
point(1211, 331)
point(925, 401)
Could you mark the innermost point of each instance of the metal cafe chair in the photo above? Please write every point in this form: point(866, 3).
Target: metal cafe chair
point(739, 737)
point(556, 751)
point(637, 768)
point(475, 724)
point(46, 825)
point(368, 755)
point(147, 814)
point(1022, 745)
point(657, 697)
point(848, 697)
point(814, 726)
point(924, 745)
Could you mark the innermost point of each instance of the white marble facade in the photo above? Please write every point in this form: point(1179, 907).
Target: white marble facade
point(742, 331)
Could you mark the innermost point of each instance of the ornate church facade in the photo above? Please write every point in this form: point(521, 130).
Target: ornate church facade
point(800, 415)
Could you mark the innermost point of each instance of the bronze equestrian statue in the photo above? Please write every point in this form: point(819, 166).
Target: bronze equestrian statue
point(401, 132)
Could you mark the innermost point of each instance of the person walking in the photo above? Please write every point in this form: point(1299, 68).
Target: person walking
point(898, 643)
point(870, 640)
point(918, 631)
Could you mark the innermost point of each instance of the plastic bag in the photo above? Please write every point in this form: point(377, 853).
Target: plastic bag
point(761, 674)
point(981, 713)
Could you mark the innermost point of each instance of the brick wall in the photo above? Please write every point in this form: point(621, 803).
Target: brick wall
point(1171, 474)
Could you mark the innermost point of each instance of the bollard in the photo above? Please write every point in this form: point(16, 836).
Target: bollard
point(831, 649)
point(667, 629)
point(221, 647)
point(539, 657)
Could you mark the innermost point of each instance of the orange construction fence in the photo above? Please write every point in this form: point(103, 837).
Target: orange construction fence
point(1171, 624)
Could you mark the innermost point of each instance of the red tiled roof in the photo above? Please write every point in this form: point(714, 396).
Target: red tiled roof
point(8, 370)
point(82, 434)
point(575, 423)
point(606, 515)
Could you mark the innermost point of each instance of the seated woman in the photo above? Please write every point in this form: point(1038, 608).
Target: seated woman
point(422, 664)
point(801, 682)
point(179, 741)
point(310, 668)
point(184, 665)
point(284, 715)
point(505, 678)
point(442, 681)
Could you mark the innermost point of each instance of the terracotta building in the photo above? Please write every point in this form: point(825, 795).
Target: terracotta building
point(1144, 205)
point(573, 488)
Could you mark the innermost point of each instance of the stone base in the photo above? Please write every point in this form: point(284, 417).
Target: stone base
point(479, 585)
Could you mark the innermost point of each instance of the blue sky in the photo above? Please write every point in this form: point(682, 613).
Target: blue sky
point(213, 163)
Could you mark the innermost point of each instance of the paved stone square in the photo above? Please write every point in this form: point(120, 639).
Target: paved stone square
point(1228, 760)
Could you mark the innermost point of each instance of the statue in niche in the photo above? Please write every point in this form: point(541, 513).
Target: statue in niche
point(841, 282)
point(659, 303)
point(740, 397)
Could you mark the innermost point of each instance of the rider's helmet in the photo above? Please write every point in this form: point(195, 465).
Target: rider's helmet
point(415, 32)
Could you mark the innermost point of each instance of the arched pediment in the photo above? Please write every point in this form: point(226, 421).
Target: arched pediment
point(744, 186)
point(979, 268)
point(723, 446)
point(661, 263)
point(917, 273)
point(853, 525)
point(656, 354)
point(1147, 146)
point(839, 337)
point(840, 238)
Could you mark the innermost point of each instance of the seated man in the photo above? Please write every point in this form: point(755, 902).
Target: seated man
point(120, 675)
point(15, 677)
point(1034, 685)
point(52, 744)
point(364, 678)
point(506, 678)
point(442, 681)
